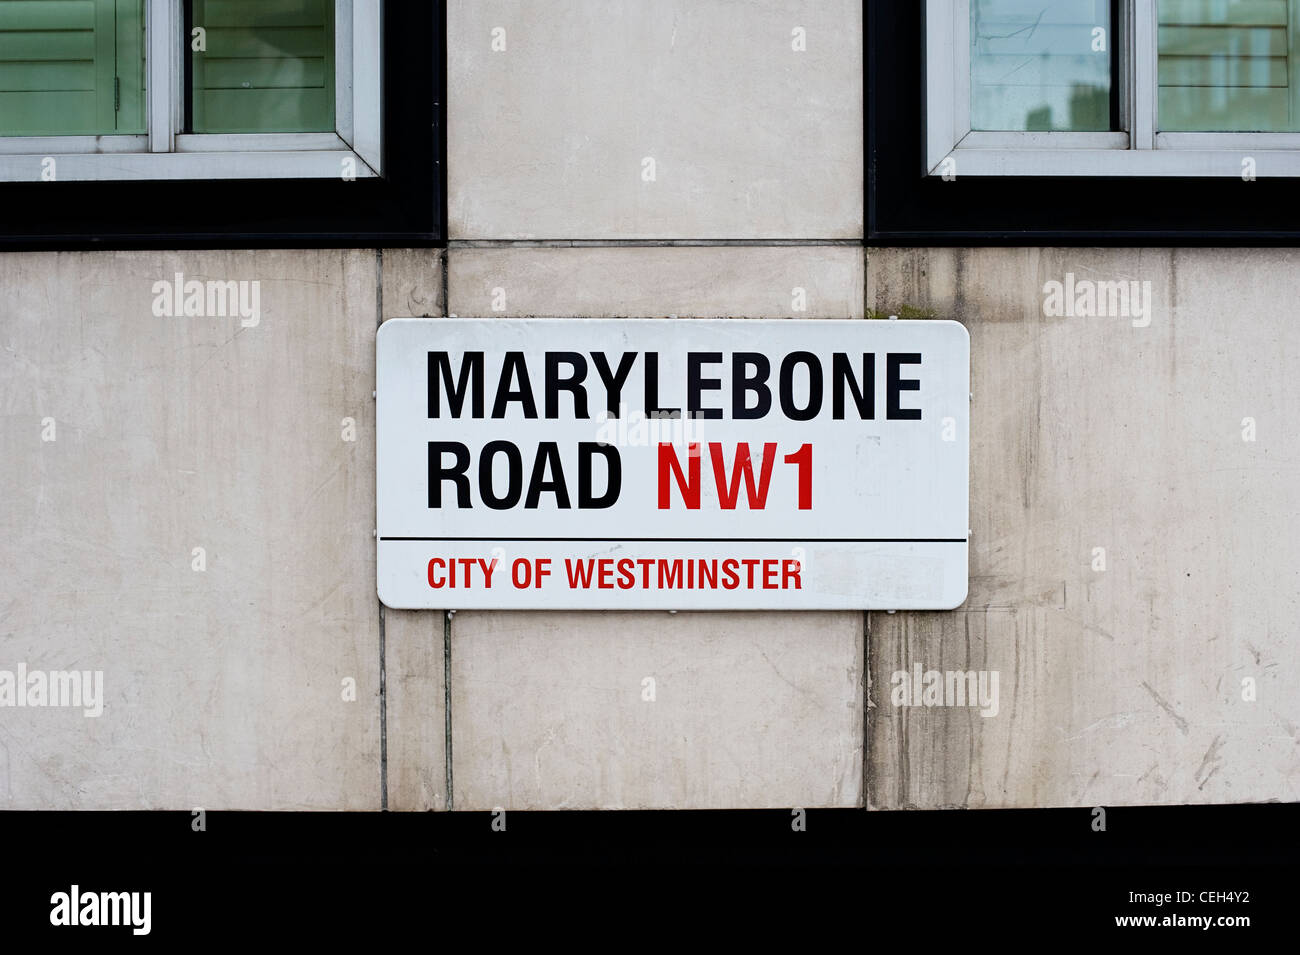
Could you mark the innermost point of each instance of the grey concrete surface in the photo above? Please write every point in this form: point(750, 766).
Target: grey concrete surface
point(224, 687)
point(1121, 685)
point(412, 283)
point(551, 711)
point(416, 709)
point(414, 642)
point(715, 282)
point(749, 137)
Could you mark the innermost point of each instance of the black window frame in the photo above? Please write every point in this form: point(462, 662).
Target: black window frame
point(406, 206)
point(907, 207)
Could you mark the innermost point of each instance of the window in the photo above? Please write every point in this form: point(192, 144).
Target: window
point(1229, 66)
point(1032, 67)
point(189, 89)
point(252, 145)
point(71, 68)
point(266, 66)
point(1203, 88)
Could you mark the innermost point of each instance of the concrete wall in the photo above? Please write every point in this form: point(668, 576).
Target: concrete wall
point(1121, 673)
point(226, 686)
point(750, 138)
point(131, 440)
point(704, 125)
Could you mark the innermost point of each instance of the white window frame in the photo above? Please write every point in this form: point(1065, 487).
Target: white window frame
point(164, 153)
point(1139, 150)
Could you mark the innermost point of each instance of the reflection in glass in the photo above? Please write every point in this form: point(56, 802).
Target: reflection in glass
point(71, 67)
point(268, 66)
point(1041, 65)
point(1227, 65)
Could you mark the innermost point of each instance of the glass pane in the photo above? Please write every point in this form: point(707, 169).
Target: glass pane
point(1228, 65)
point(268, 66)
point(71, 67)
point(1041, 65)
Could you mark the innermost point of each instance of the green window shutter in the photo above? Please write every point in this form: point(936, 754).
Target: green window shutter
point(1228, 65)
point(1033, 66)
point(70, 67)
point(130, 47)
point(268, 67)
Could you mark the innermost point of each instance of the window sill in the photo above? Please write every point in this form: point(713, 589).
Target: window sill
point(1185, 155)
point(122, 158)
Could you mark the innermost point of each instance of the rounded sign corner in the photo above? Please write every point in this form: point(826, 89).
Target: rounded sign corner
point(953, 323)
point(959, 599)
point(393, 322)
point(389, 604)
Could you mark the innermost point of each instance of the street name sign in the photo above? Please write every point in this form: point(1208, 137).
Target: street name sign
point(672, 464)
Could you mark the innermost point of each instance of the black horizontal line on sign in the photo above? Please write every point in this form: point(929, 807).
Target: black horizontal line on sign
point(701, 540)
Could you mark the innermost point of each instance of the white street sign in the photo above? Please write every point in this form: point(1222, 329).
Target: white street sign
point(672, 464)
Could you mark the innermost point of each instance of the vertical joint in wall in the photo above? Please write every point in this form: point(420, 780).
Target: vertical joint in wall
point(868, 711)
point(446, 689)
point(383, 675)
